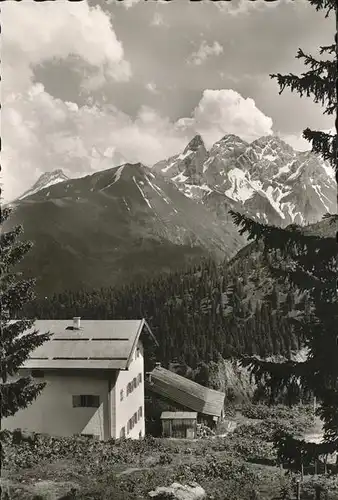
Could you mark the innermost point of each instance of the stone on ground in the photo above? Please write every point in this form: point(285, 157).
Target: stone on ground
point(177, 491)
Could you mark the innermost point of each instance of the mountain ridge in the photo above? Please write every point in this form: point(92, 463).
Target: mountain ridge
point(44, 181)
point(117, 225)
point(267, 179)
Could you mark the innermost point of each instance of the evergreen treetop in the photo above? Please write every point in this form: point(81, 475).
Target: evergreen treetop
point(310, 263)
point(17, 337)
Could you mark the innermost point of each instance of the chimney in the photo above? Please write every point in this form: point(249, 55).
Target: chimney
point(157, 364)
point(76, 323)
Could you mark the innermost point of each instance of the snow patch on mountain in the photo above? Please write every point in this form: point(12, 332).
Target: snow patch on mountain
point(142, 193)
point(158, 191)
point(240, 189)
point(45, 180)
point(116, 177)
point(180, 178)
point(169, 166)
point(268, 179)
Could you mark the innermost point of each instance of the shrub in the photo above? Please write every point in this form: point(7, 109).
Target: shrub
point(94, 454)
point(165, 459)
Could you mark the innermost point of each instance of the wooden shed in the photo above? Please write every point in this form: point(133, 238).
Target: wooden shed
point(179, 424)
point(186, 394)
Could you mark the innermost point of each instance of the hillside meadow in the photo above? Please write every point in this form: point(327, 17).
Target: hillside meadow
point(241, 465)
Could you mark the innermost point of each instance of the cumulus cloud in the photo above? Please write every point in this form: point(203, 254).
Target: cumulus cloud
point(41, 133)
point(56, 31)
point(225, 111)
point(33, 34)
point(204, 52)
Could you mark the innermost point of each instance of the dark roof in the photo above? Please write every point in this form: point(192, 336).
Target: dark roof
point(185, 392)
point(100, 344)
point(182, 415)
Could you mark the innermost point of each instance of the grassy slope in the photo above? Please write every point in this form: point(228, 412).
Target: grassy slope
point(229, 468)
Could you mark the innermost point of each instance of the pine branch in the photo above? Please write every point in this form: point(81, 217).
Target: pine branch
point(283, 372)
point(330, 49)
point(327, 5)
point(318, 66)
point(18, 394)
point(333, 218)
point(288, 241)
point(10, 257)
point(8, 239)
point(17, 343)
point(296, 451)
point(329, 415)
point(5, 214)
point(18, 346)
point(18, 293)
point(323, 144)
point(322, 88)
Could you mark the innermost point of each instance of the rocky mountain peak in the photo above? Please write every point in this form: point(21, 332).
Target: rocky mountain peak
point(194, 144)
point(54, 174)
point(267, 179)
point(272, 142)
point(231, 139)
point(45, 180)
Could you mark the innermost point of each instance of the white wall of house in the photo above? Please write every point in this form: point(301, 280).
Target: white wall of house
point(131, 403)
point(53, 412)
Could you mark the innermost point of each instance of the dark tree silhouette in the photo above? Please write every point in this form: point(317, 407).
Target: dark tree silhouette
point(17, 392)
point(310, 263)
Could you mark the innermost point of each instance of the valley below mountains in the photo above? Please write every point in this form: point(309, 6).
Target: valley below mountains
point(131, 222)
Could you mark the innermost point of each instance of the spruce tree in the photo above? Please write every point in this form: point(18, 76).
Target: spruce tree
point(309, 263)
point(16, 345)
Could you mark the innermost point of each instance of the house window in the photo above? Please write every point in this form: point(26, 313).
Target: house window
point(88, 401)
point(121, 395)
point(128, 426)
point(140, 412)
point(131, 424)
point(129, 389)
point(138, 352)
point(139, 378)
point(37, 373)
point(135, 418)
point(134, 383)
point(123, 433)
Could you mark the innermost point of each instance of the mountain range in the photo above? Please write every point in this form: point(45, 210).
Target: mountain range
point(267, 179)
point(130, 222)
point(116, 226)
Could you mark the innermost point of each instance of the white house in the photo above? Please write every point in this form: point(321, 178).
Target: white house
point(94, 374)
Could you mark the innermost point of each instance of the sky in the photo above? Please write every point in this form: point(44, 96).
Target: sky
point(90, 85)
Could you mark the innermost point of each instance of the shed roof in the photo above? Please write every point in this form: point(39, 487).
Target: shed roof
point(185, 392)
point(182, 415)
point(100, 344)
